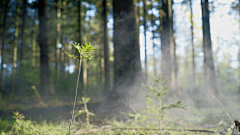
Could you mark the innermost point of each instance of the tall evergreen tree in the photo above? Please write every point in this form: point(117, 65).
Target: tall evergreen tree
point(5, 8)
point(127, 64)
point(79, 39)
point(45, 73)
point(106, 55)
point(210, 79)
point(165, 40)
point(23, 28)
point(193, 48)
point(58, 36)
point(145, 34)
point(16, 34)
point(173, 78)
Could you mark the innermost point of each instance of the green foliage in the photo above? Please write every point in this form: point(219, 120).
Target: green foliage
point(27, 127)
point(155, 101)
point(84, 51)
point(84, 101)
point(21, 126)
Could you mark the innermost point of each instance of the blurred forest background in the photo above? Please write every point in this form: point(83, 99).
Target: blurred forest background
point(195, 43)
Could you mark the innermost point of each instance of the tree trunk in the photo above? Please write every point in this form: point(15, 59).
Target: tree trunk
point(165, 41)
point(106, 55)
point(85, 74)
point(102, 62)
point(34, 47)
point(58, 37)
point(172, 49)
point(175, 65)
point(145, 36)
point(45, 73)
point(154, 45)
point(34, 43)
point(3, 38)
point(14, 63)
point(210, 79)
point(23, 28)
point(79, 40)
point(127, 64)
point(193, 50)
point(239, 44)
point(84, 62)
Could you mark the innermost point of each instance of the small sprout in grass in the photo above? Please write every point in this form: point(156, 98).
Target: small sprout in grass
point(84, 101)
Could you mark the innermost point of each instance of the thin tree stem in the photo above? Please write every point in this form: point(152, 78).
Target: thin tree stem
point(79, 71)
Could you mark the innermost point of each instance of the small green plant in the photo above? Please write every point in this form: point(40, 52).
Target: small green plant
point(84, 51)
point(84, 101)
point(155, 101)
point(21, 126)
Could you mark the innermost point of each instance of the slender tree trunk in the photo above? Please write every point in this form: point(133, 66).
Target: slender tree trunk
point(127, 64)
point(138, 12)
point(23, 28)
point(210, 79)
point(34, 47)
point(79, 40)
point(85, 75)
point(175, 65)
point(145, 35)
point(193, 50)
point(154, 52)
point(14, 63)
point(45, 72)
point(34, 42)
point(58, 37)
point(172, 50)
point(84, 63)
point(1, 19)
point(64, 44)
point(102, 62)
point(106, 55)
point(165, 41)
point(239, 43)
point(3, 38)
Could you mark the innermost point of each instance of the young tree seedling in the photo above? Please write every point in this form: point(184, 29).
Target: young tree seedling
point(154, 99)
point(84, 51)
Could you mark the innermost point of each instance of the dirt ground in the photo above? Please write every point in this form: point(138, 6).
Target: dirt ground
point(54, 114)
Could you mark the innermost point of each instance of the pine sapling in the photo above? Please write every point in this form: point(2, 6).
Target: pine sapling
point(154, 99)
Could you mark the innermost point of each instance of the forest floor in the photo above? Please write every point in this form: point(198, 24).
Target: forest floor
point(54, 111)
point(59, 111)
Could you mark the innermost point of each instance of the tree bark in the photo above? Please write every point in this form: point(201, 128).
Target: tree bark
point(210, 79)
point(85, 63)
point(165, 41)
point(193, 49)
point(79, 40)
point(127, 64)
point(3, 41)
point(172, 48)
point(34, 47)
point(154, 46)
point(58, 37)
point(145, 36)
point(175, 65)
point(45, 73)
point(23, 28)
point(106, 54)
point(102, 62)
point(14, 62)
point(239, 44)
